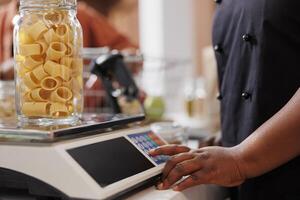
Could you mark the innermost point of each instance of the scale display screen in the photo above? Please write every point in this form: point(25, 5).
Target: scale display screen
point(110, 161)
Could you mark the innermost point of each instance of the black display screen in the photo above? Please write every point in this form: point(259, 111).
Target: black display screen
point(110, 161)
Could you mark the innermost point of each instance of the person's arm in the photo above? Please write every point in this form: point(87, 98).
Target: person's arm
point(273, 144)
point(98, 32)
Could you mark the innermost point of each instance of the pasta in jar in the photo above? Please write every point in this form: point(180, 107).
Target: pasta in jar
point(48, 64)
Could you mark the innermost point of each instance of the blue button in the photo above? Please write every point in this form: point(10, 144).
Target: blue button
point(146, 145)
point(140, 146)
point(151, 145)
point(143, 139)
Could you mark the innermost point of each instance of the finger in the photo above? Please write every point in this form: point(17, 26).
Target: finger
point(171, 163)
point(193, 180)
point(180, 170)
point(169, 150)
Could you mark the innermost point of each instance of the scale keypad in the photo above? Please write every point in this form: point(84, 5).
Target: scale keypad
point(148, 141)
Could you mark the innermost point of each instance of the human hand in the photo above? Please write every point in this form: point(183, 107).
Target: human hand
point(209, 165)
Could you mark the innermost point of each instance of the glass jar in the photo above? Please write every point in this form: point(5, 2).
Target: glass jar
point(48, 62)
point(7, 100)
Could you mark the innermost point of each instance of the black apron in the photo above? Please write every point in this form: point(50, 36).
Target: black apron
point(257, 47)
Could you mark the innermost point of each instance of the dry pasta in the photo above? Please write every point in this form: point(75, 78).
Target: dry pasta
point(49, 66)
point(50, 36)
point(77, 67)
point(40, 95)
point(30, 81)
point(70, 107)
point(44, 46)
point(24, 38)
point(52, 18)
point(67, 61)
point(63, 33)
point(61, 94)
point(50, 83)
point(52, 68)
point(27, 97)
point(30, 49)
point(36, 109)
point(22, 70)
point(39, 73)
point(37, 29)
point(75, 83)
point(59, 110)
point(57, 70)
point(70, 49)
point(56, 51)
point(19, 58)
point(65, 73)
point(32, 61)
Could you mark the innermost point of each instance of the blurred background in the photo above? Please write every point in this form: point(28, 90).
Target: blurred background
point(178, 71)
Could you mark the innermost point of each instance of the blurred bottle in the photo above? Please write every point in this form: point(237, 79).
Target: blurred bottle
point(7, 99)
point(195, 96)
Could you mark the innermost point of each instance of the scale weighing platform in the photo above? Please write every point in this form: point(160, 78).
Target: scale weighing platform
point(90, 160)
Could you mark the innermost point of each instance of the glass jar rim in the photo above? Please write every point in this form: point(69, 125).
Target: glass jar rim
point(47, 4)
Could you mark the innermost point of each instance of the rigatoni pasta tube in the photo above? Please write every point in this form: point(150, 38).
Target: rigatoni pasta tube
point(70, 49)
point(74, 83)
point(56, 51)
point(19, 58)
point(57, 70)
point(32, 61)
point(70, 107)
point(59, 110)
point(44, 46)
point(77, 66)
point(52, 68)
point(39, 73)
point(37, 29)
point(29, 49)
point(36, 109)
point(27, 97)
point(30, 81)
point(65, 73)
point(50, 83)
point(51, 36)
point(40, 95)
point(22, 70)
point(52, 18)
point(24, 37)
point(61, 94)
point(67, 61)
point(63, 32)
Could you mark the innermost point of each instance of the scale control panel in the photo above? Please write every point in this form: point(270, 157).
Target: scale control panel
point(148, 141)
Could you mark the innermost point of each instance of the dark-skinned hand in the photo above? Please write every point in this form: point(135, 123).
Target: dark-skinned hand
point(209, 165)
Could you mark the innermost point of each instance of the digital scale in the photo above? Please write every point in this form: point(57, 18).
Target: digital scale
point(101, 157)
point(98, 163)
